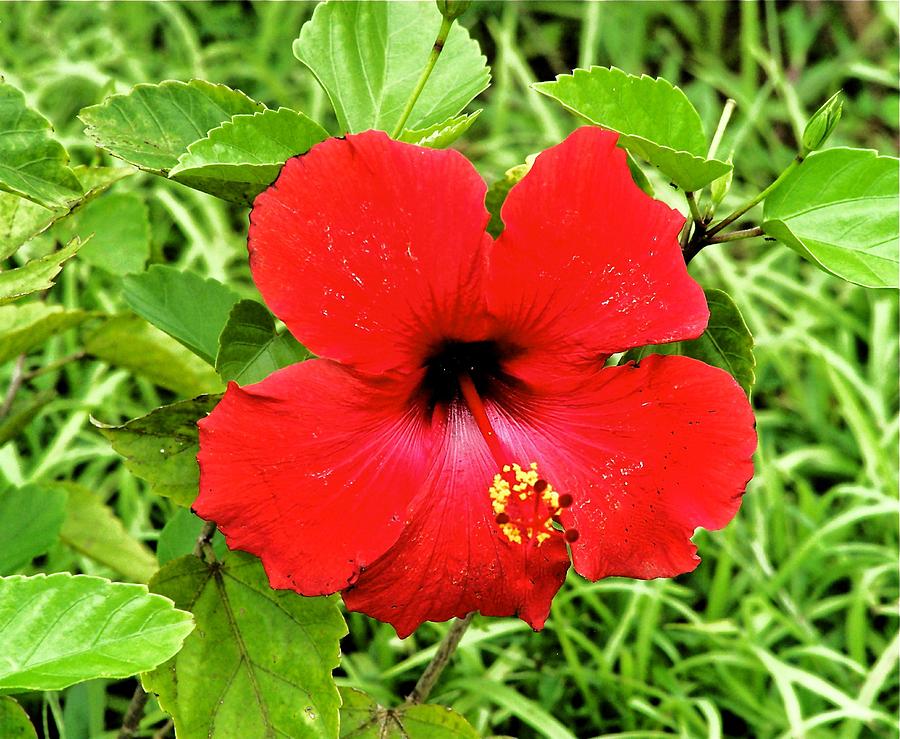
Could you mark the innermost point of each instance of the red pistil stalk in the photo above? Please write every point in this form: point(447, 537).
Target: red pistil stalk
point(476, 407)
point(525, 504)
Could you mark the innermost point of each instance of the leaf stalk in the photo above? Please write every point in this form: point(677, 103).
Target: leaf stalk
point(745, 233)
point(727, 111)
point(436, 50)
point(728, 220)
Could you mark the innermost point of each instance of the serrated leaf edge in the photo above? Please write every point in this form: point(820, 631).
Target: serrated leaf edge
point(697, 158)
point(89, 127)
point(140, 589)
point(464, 120)
point(49, 130)
point(216, 577)
point(181, 168)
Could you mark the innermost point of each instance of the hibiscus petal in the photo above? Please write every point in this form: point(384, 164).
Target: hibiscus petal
point(452, 558)
point(372, 250)
point(312, 470)
point(648, 453)
point(588, 264)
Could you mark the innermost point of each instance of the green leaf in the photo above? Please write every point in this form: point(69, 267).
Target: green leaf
point(14, 722)
point(654, 119)
point(259, 663)
point(250, 348)
point(152, 125)
point(497, 192)
point(440, 135)
point(363, 718)
point(180, 534)
point(727, 342)
point(368, 57)
point(132, 343)
point(32, 163)
point(28, 325)
point(839, 210)
point(119, 227)
point(37, 274)
point(97, 180)
point(30, 520)
point(92, 529)
point(21, 220)
point(637, 174)
point(62, 629)
point(184, 305)
point(243, 156)
point(162, 447)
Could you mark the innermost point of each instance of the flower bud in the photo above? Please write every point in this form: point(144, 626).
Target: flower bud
point(452, 9)
point(822, 123)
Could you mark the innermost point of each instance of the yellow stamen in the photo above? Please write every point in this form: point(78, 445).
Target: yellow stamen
point(525, 504)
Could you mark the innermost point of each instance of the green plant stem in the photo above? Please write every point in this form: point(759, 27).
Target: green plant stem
point(694, 227)
point(727, 221)
point(724, 119)
point(696, 216)
point(745, 233)
point(695, 208)
point(423, 78)
point(700, 240)
point(446, 649)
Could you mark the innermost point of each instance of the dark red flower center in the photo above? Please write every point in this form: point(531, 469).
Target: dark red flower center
point(480, 360)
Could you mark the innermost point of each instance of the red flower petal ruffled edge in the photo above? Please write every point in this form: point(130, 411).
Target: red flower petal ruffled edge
point(649, 453)
point(589, 265)
point(288, 468)
point(371, 250)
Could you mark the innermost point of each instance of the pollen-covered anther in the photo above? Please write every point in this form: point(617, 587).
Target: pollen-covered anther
point(526, 506)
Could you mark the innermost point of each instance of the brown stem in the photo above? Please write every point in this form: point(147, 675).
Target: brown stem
point(18, 377)
point(203, 548)
point(56, 364)
point(164, 730)
point(133, 714)
point(700, 240)
point(445, 650)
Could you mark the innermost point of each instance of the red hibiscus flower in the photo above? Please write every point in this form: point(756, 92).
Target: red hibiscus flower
point(460, 435)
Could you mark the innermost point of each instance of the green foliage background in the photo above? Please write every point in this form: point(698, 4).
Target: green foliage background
point(789, 627)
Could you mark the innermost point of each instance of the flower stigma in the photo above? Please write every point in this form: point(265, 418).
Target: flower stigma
point(526, 506)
